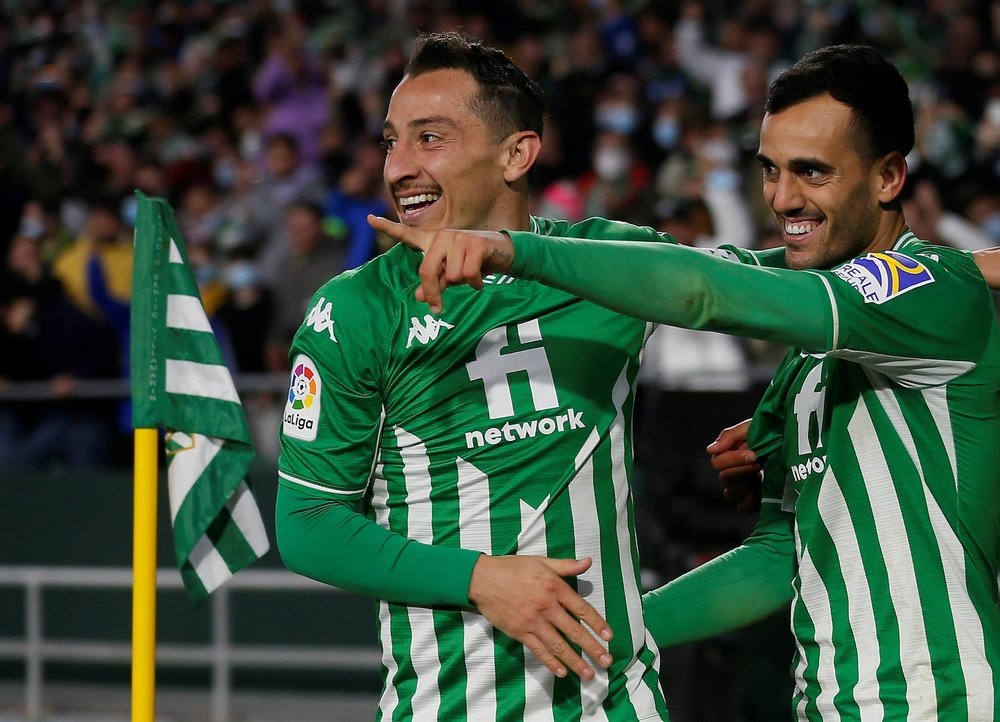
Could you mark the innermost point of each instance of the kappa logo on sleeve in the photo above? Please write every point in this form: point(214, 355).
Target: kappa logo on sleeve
point(880, 277)
point(320, 318)
point(301, 416)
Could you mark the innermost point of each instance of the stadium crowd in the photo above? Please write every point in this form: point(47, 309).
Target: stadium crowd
point(261, 123)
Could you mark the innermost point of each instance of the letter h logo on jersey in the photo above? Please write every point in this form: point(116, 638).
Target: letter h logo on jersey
point(494, 367)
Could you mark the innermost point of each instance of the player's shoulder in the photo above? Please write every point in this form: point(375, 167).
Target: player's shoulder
point(362, 304)
point(387, 276)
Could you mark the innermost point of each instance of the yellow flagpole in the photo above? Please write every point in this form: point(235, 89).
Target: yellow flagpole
point(144, 577)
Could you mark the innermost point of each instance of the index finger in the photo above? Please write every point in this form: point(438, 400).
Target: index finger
point(412, 237)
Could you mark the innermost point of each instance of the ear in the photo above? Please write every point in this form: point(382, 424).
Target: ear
point(892, 176)
point(520, 153)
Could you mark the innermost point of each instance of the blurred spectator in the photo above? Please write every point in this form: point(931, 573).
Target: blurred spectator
point(618, 186)
point(43, 337)
point(360, 192)
point(106, 238)
point(291, 86)
point(285, 180)
point(41, 222)
point(313, 258)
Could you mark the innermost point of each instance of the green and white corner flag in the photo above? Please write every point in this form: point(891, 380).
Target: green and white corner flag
point(180, 382)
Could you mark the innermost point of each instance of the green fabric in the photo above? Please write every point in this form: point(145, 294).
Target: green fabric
point(395, 568)
point(681, 286)
point(733, 590)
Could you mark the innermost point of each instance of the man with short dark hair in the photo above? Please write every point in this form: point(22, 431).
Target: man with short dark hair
point(476, 438)
point(880, 520)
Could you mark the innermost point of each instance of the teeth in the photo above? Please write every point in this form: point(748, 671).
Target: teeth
point(422, 198)
point(799, 229)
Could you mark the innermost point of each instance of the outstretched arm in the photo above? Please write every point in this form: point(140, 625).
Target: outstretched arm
point(664, 283)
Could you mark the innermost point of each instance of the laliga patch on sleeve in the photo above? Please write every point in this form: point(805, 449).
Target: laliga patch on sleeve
point(301, 416)
point(880, 277)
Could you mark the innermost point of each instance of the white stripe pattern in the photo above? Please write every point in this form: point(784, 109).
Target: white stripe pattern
point(186, 313)
point(915, 656)
point(316, 487)
point(816, 599)
point(389, 700)
point(426, 698)
point(969, 629)
point(245, 514)
point(474, 532)
point(836, 518)
point(587, 534)
point(538, 680)
point(188, 464)
point(208, 564)
point(639, 693)
point(211, 381)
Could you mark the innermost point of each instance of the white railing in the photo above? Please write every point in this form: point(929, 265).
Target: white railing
point(219, 654)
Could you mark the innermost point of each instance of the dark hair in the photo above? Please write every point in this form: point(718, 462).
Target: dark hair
point(508, 100)
point(861, 78)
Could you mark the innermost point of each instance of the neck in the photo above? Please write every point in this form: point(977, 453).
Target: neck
point(890, 228)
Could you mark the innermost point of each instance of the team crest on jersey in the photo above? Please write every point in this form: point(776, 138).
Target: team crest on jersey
point(425, 332)
point(320, 318)
point(880, 277)
point(301, 416)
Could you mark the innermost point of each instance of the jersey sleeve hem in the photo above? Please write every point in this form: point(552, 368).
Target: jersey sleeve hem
point(341, 494)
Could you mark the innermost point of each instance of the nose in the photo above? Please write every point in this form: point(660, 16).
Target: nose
point(399, 165)
point(785, 195)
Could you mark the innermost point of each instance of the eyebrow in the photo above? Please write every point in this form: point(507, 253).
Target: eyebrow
point(420, 122)
point(800, 164)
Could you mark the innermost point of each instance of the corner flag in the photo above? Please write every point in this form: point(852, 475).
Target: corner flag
point(180, 382)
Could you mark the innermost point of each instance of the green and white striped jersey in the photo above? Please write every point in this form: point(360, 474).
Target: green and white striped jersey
point(887, 452)
point(879, 434)
point(502, 424)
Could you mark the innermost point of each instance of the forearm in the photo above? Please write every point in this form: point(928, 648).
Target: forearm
point(682, 287)
point(328, 541)
point(739, 588)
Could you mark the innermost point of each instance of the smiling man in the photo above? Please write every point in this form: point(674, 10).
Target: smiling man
point(878, 435)
point(474, 438)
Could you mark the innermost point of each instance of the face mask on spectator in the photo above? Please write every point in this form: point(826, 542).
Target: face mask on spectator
point(205, 273)
point(610, 164)
point(618, 118)
point(129, 210)
point(224, 173)
point(666, 132)
point(241, 274)
point(31, 227)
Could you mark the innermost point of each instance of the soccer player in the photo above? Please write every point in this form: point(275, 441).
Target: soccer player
point(475, 438)
point(878, 436)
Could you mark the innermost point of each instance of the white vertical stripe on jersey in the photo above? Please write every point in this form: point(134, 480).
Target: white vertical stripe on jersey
point(893, 541)
point(390, 699)
point(969, 628)
point(816, 599)
point(800, 667)
point(587, 533)
point(639, 694)
point(423, 643)
point(836, 518)
point(538, 680)
point(937, 403)
point(475, 532)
